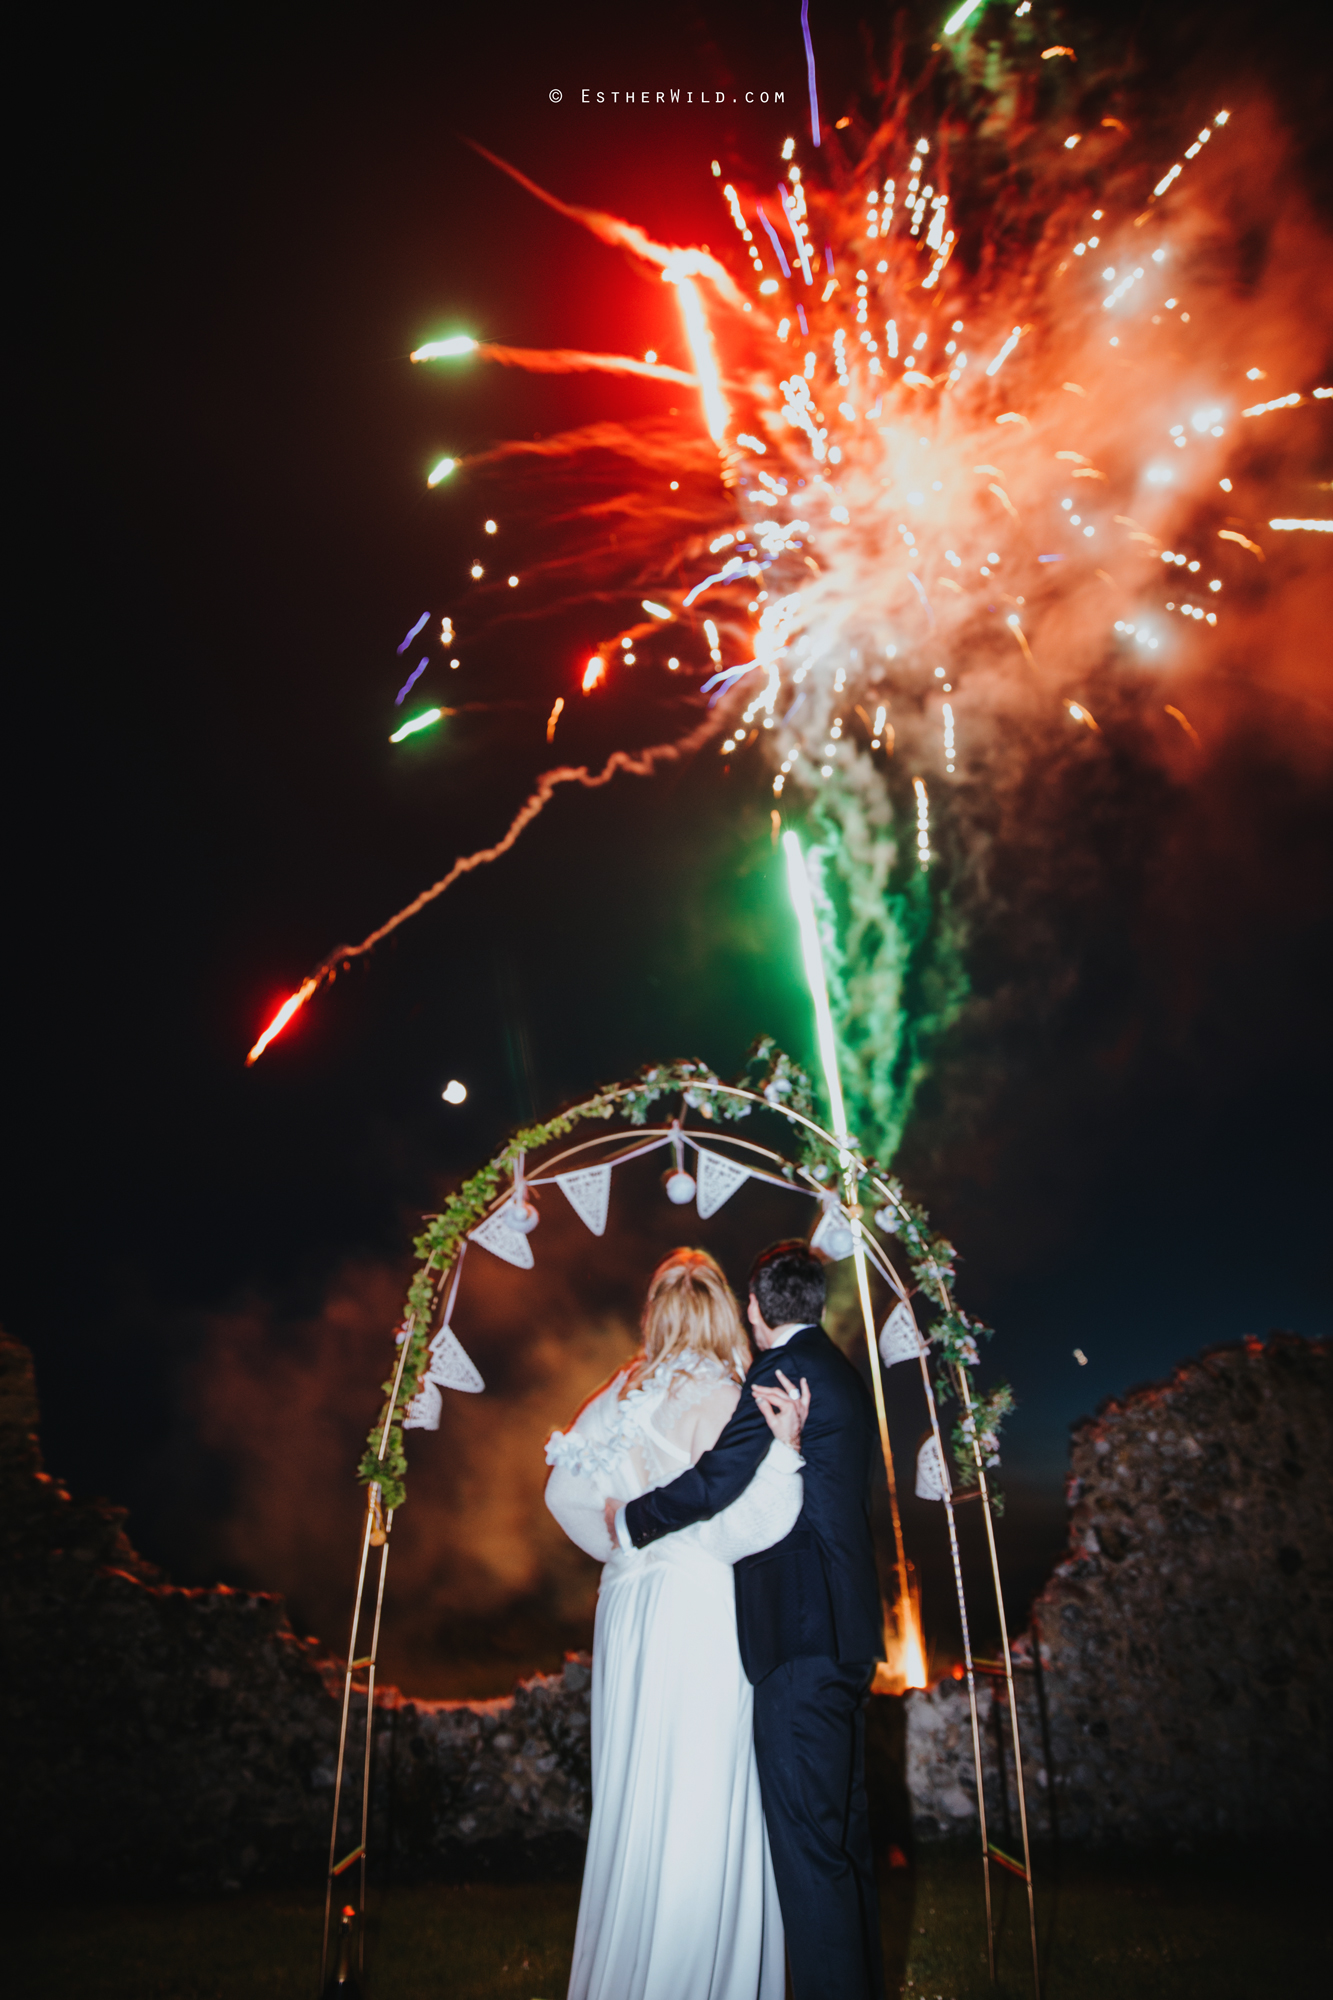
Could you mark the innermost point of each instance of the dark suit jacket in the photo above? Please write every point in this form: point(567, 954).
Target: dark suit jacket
point(817, 1592)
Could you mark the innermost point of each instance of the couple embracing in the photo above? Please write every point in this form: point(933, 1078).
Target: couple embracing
point(738, 1626)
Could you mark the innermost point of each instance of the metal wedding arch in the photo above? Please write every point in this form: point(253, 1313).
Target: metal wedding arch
point(836, 1178)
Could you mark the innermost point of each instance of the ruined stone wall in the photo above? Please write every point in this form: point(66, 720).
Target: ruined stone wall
point(188, 1738)
point(1180, 1689)
point(1183, 1676)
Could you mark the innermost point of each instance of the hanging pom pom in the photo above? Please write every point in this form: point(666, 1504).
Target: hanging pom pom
point(519, 1212)
point(679, 1185)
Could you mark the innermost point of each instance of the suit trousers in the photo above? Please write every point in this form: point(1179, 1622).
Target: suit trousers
point(809, 1740)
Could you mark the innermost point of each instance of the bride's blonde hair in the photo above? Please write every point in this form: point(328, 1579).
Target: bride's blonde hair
point(690, 1309)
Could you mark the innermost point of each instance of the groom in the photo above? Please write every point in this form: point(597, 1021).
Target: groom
point(808, 1613)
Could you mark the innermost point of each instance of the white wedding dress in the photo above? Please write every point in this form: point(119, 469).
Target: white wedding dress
point(678, 1901)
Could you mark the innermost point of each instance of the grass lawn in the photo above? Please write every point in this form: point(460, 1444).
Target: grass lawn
point(1181, 1930)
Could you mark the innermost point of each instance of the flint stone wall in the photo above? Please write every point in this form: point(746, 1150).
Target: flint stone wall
point(155, 1736)
point(1176, 1683)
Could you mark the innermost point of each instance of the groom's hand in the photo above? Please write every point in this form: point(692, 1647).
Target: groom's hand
point(785, 1410)
point(609, 1512)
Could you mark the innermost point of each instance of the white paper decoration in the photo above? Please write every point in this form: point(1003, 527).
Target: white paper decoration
point(423, 1412)
point(679, 1186)
point(932, 1481)
point(450, 1366)
point(899, 1339)
point(588, 1192)
point(495, 1235)
point(718, 1179)
point(833, 1238)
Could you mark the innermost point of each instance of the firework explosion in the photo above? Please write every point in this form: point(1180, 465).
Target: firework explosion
point(999, 424)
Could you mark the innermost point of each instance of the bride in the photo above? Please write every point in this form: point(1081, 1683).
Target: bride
point(678, 1896)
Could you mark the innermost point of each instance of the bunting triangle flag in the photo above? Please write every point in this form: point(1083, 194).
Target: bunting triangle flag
point(588, 1192)
point(932, 1481)
point(718, 1179)
point(451, 1366)
point(495, 1235)
point(833, 1236)
point(899, 1339)
point(423, 1412)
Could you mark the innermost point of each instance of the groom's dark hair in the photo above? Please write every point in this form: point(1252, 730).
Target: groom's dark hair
point(787, 1280)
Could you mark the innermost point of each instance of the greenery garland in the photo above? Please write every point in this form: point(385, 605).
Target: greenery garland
point(933, 1260)
point(768, 1074)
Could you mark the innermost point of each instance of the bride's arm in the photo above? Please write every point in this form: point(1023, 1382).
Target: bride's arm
point(712, 1484)
point(767, 1510)
point(577, 1504)
point(764, 1514)
point(577, 1488)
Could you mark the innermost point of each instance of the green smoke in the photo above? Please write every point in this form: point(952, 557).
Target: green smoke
point(893, 953)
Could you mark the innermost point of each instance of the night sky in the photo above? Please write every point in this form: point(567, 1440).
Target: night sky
point(237, 226)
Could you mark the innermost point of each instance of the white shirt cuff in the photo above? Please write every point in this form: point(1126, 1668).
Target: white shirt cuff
point(622, 1532)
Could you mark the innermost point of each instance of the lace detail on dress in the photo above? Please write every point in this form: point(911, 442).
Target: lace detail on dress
point(597, 1452)
point(688, 1380)
point(581, 1456)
